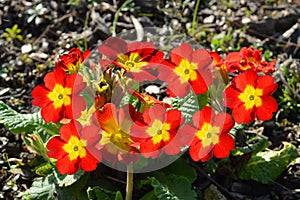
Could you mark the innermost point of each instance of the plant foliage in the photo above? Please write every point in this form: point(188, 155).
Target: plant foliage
point(18, 123)
point(266, 166)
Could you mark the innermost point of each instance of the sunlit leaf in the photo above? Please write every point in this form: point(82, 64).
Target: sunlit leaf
point(172, 187)
point(19, 123)
point(267, 166)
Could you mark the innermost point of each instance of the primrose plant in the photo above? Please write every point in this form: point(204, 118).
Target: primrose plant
point(105, 116)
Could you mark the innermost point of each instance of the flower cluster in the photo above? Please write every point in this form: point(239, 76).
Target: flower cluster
point(97, 124)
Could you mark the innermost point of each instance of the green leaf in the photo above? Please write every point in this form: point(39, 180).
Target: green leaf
point(119, 196)
point(149, 196)
point(66, 180)
point(19, 37)
point(44, 169)
point(46, 188)
point(89, 100)
point(267, 166)
point(188, 105)
point(202, 100)
point(129, 99)
point(15, 28)
point(181, 168)
point(172, 187)
point(99, 193)
point(18, 123)
point(42, 188)
point(78, 189)
point(258, 144)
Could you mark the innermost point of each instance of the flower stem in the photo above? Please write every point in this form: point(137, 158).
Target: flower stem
point(194, 22)
point(129, 184)
point(114, 27)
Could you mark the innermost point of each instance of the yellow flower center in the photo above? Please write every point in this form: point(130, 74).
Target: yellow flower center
point(75, 148)
point(251, 97)
point(208, 134)
point(186, 71)
point(118, 138)
point(159, 131)
point(132, 62)
point(60, 96)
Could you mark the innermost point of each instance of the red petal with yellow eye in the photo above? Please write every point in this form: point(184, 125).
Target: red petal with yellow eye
point(47, 96)
point(203, 147)
point(249, 96)
point(187, 70)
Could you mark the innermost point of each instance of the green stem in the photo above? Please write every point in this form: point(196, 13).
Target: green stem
point(117, 16)
point(129, 183)
point(194, 23)
point(84, 29)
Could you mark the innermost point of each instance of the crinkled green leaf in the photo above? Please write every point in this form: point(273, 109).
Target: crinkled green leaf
point(237, 127)
point(46, 188)
point(188, 105)
point(18, 123)
point(42, 188)
point(67, 180)
point(172, 187)
point(129, 99)
point(267, 166)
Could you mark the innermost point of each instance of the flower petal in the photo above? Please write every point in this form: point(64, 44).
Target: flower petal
point(201, 116)
point(224, 121)
point(223, 147)
point(248, 78)
point(55, 145)
point(39, 94)
point(66, 166)
point(157, 112)
point(266, 83)
point(149, 149)
point(202, 58)
point(142, 75)
point(241, 115)
point(199, 85)
point(173, 117)
point(231, 99)
point(179, 89)
point(68, 130)
point(75, 81)
point(265, 111)
point(107, 118)
point(186, 134)
point(112, 47)
point(73, 111)
point(183, 51)
point(88, 163)
point(198, 152)
point(50, 114)
point(58, 76)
